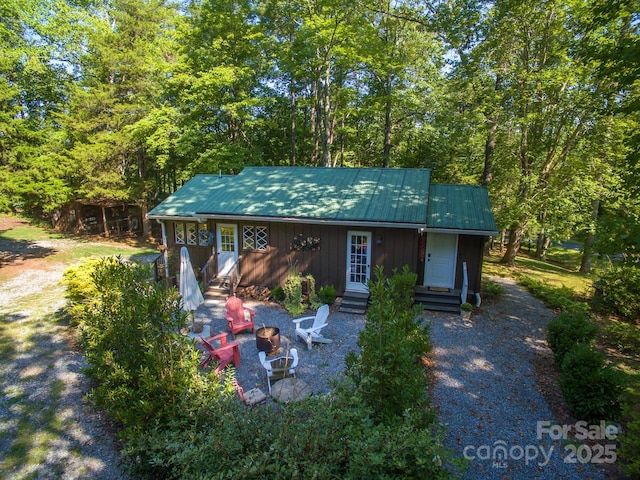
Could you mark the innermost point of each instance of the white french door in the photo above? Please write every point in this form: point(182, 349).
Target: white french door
point(440, 261)
point(227, 247)
point(358, 260)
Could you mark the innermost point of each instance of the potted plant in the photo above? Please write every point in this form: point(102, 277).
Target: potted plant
point(465, 310)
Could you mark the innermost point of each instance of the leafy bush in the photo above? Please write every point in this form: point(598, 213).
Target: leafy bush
point(393, 339)
point(277, 293)
point(293, 294)
point(294, 301)
point(624, 336)
point(561, 298)
point(327, 294)
point(620, 289)
point(630, 441)
point(130, 331)
point(491, 289)
point(591, 388)
point(567, 330)
point(322, 437)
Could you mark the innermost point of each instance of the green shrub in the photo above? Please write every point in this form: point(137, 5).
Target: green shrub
point(560, 298)
point(392, 340)
point(293, 294)
point(143, 366)
point(591, 388)
point(277, 293)
point(620, 292)
point(567, 330)
point(630, 441)
point(321, 437)
point(327, 294)
point(624, 336)
point(491, 289)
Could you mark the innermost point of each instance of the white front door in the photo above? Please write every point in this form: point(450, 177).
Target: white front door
point(440, 261)
point(227, 246)
point(358, 260)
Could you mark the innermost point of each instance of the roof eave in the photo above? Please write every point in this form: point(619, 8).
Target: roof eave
point(461, 231)
point(314, 221)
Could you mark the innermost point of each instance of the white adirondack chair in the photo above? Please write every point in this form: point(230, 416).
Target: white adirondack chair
point(311, 335)
point(279, 367)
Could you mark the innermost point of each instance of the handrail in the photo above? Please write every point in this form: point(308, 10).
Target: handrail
point(234, 277)
point(208, 272)
point(158, 267)
point(465, 283)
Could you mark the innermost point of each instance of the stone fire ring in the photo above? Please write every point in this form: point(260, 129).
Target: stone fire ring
point(290, 389)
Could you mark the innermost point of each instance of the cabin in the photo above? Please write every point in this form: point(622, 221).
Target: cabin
point(335, 224)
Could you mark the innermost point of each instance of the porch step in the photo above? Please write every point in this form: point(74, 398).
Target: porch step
point(437, 300)
point(354, 302)
point(218, 289)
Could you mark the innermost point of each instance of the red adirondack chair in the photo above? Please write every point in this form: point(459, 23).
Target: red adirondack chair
point(223, 355)
point(236, 317)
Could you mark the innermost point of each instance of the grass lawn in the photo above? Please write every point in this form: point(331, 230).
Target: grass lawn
point(560, 269)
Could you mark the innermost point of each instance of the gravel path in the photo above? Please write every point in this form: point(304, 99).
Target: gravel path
point(317, 367)
point(44, 415)
point(486, 390)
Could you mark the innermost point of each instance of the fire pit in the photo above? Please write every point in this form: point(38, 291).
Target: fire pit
point(268, 340)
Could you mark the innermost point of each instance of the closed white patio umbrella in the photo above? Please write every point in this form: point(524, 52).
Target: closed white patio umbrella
point(189, 288)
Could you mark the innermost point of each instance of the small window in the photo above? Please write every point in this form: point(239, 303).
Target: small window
point(192, 234)
point(205, 237)
point(262, 239)
point(255, 237)
point(179, 233)
point(248, 237)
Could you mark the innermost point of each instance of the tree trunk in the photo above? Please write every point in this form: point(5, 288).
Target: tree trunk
point(490, 142)
point(515, 238)
point(104, 222)
point(292, 154)
point(542, 245)
point(585, 264)
point(326, 117)
point(315, 127)
point(386, 153)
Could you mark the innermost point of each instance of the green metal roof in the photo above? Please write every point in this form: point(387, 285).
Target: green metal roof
point(340, 195)
point(313, 193)
point(460, 207)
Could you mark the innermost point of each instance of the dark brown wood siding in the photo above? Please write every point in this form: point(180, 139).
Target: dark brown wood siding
point(470, 250)
point(391, 248)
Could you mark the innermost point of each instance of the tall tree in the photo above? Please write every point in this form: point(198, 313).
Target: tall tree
point(122, 71)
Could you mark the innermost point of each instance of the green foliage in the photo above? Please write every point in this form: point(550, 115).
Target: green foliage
point(80, 287)
point(143, 366)
point(567, 330)
point(293, 294)
point(327, 295)
point(277, 293)
point(294, 301)
point(491, 289)
point(466, 306)
point(313, 300)
point(620, 289)
point(630, 441)
point(562, 298)
point(591, 388)
point(322, 437)
point(386, 371)
point(623, 336)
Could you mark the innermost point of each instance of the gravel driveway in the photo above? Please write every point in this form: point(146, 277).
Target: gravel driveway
point(487, 395)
